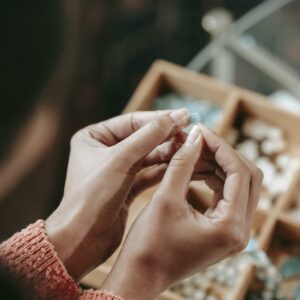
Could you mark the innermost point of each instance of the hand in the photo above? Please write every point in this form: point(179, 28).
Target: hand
point(170, 240)
point(110, 163)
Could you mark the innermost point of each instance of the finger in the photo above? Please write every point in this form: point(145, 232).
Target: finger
point(145, 179)
point(181, 167)
point(135, 147)
point(237, 182)
point(162, 153)
point(180, 137)
point(165, 151)
point(211, 179)
point(255, 188)
point(114, 130)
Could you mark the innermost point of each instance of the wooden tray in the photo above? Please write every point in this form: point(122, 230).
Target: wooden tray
point(164, 76)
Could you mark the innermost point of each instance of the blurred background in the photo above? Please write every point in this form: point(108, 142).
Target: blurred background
point(69, 63)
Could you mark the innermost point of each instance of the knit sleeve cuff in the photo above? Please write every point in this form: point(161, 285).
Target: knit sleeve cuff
point(31, 258)
point(99, 295)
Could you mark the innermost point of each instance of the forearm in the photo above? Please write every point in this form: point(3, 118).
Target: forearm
point(135, 280)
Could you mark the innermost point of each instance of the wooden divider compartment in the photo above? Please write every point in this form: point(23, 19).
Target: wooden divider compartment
point(233, 100)
point(164, 75)
point(285, 243)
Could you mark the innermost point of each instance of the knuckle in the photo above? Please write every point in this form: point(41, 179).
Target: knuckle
point(161, 197)
point(164, 202)
point(236, 239)
point(178, 161)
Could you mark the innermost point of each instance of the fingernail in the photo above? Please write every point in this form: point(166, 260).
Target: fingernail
point(193, 135)
point(180, 117)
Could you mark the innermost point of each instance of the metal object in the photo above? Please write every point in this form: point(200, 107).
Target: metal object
point(230, 38)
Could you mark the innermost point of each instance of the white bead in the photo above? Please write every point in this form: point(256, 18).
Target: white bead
point(249, 149)
point(267, 295)
point(231, 272)
point(267, 168)
point(278, 185)
point(255, 129)
point(273, 146)
point(282, 161)
point(210, 273)
point(275, 133)
point(221, 278)
point(187, 291)
point(203, 283)
point(199, 295)
point(211, 297)
point(264, 203)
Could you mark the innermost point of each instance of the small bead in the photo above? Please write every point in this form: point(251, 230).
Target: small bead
point(195, 118)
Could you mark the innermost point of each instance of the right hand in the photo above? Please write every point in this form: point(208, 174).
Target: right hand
point(170, 240)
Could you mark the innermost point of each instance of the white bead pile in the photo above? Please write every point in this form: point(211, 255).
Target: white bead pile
point(266, 146)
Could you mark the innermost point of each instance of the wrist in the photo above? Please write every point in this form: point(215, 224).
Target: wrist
point(135, 279)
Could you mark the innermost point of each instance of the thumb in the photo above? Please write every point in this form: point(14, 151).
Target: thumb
point(181, 167)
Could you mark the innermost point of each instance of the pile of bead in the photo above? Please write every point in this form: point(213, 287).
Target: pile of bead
point(267, 277)
point(202, 286)
point(266, 146)
point(226, 273)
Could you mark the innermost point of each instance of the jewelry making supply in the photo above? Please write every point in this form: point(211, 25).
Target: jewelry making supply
point(273, 146)
point(255, 129)
point(267, 167)
point(265, 272)
point(265, 145)
point(194, 118)
point(264, 203)
point(249, 149)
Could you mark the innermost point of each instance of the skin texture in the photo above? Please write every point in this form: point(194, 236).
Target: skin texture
point(170, 240)
point(110, 163)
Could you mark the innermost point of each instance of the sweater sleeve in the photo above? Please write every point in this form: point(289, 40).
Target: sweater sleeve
point(30, 257)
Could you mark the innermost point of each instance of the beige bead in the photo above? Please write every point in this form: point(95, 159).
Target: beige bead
point(199, 295)
point(249, 148)
point(264, 203)
point(256, 129)
point(273, 146)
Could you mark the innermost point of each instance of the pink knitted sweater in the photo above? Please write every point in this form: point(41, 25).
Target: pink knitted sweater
point(31, 258)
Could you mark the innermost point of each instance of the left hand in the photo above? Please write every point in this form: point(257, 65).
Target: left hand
point(110, 163)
